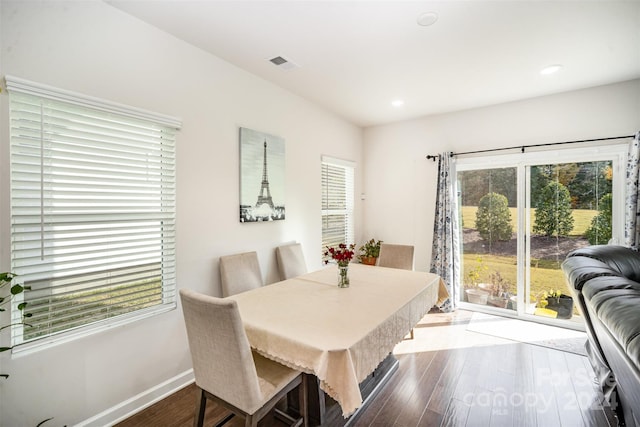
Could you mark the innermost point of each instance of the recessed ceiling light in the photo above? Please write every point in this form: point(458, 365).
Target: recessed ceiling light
point(550, 69)
point(427, 18)
point(397, 103)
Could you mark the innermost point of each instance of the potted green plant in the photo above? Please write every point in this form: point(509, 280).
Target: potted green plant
point(498, 291)
point(560, 303)
point(5, 298)
point(369, 252)
point(474, 294)
point(530, 306)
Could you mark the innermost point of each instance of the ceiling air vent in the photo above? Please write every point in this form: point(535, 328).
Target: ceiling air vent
point(278, 60)
point(282, 63)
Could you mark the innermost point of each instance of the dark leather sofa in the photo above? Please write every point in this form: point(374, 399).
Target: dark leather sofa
point(605, 281)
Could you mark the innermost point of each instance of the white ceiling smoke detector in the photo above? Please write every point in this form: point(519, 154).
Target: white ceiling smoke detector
point(428, 18)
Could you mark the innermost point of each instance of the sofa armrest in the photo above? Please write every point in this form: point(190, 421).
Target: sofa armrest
point(621, 259)
point(578, 270)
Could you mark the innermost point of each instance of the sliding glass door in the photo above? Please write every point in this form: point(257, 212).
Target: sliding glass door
point(489, 216)
point(520, 215)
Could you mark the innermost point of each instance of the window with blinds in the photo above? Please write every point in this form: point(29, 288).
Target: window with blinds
point(92, 211)
point(337, 202)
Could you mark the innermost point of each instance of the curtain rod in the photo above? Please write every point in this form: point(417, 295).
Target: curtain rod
point(523, 147)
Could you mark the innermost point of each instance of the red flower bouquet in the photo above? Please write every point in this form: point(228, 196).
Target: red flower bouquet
point(342, 254)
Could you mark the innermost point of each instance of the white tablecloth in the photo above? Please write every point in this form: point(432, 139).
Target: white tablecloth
point(338, 334)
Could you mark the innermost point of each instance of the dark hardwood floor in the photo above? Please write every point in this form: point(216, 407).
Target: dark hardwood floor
point(449, 376)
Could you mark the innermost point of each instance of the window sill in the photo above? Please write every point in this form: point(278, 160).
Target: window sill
point(86, 331)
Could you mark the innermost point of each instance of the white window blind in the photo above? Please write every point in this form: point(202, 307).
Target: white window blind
point(337, 202)
point(92, 210)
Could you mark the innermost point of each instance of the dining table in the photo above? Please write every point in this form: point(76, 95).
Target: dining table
point(338, 335)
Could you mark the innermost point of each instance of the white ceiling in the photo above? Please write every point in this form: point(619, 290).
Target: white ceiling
point(355, 57)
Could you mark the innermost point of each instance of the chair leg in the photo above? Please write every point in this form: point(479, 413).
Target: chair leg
point(225, 420)
point(410, 337)
point(250, 421)
point(302, 396)
point(201, 403)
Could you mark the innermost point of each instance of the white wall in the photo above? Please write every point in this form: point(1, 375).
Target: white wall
point(92, 48)
point(400, 183)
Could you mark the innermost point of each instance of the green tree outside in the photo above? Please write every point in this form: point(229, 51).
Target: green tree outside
point(474, 184)
point(493, 218)
point(553, 214)
point(542, 175)
point(599, 232)
point(592, 182)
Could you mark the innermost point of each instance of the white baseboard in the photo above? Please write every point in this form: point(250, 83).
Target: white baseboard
point(137, 403)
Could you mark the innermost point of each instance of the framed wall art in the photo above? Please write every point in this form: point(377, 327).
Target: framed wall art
point(262, 176)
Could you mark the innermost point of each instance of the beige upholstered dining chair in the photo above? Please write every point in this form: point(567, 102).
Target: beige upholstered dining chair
point(291, 261)
point(396, 256)
point(239, 273)
point(227, 371)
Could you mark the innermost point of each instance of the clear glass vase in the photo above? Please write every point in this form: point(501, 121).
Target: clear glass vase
point(343, 276)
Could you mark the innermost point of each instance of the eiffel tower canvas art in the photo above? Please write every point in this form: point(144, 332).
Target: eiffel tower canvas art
point(262, 176)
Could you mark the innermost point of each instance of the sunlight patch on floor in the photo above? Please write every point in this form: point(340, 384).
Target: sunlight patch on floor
point(463, 329)
point(440, 331)
point(519, 330)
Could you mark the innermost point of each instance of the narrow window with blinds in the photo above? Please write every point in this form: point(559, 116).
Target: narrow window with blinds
point(337, 202)
point(92, 211)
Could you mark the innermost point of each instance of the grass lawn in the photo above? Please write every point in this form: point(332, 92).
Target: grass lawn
point(58, 313)
point(542, 277)
point(581, 219)
point(545, 275)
